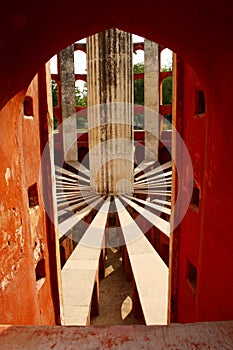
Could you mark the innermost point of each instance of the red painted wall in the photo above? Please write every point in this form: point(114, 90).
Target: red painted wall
point(207, 246)
point(194, 129)
point(23, 239)
point(199, 32)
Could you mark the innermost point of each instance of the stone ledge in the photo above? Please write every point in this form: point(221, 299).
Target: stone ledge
point(206, 335)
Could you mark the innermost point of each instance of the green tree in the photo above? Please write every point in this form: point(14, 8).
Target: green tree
point(167, 86)
point(54, 93)
point(138, 67)
point(55, 123)
point(139, 85)
point(81, 96)
point(167, 91)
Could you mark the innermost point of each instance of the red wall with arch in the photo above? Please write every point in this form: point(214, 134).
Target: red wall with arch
point(199, 32)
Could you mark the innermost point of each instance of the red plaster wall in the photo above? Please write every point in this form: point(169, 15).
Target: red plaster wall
point(190, 237)
point(201, 33)
point(207, 246)
point(23, 239)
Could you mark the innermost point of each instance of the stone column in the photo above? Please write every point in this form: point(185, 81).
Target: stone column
point(151, 99)
point(68, 104)
point(110, 111)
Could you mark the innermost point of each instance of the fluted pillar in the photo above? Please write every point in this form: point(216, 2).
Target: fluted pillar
point(68, 103)
point(151, 99)
point(110, 111)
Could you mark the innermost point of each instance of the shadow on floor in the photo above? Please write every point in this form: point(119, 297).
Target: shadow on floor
point(115, 294)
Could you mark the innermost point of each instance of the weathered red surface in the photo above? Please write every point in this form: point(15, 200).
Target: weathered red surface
point(201, 33)
point(204, 234)
point(23, 239)
point(194, 135)
point(201, 336)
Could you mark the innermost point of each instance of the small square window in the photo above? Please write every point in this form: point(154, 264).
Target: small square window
point(33, 196)
point(28, 106)
point(200, 102)
point(40, 269)
point(195, 200)
point(191, 275)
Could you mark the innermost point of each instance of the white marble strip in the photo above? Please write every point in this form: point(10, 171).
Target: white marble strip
point(159, 193)
point(154, 171)
point(72, 175)
point(66, 179)
point(65, 172)
point(163, 176)
point(61, 198)
point(155, 180)
point(150, 205)
point(72, 187)
point(75, 207)
point(80, 167)
point(94, 235)
point(80, 271)
point(149, 271)
point(142, 166)
point(161, 224)
point(161, 201)
point(67, 225)
point(152, 185)
point(81, 196)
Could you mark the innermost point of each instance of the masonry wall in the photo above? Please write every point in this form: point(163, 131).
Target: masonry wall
point(25, 291)
point(205, 260)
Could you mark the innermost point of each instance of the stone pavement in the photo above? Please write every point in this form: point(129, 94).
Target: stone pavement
point(115, 294)
point(202, 336)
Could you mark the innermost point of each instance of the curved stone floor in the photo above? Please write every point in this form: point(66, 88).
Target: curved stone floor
point(115, 294)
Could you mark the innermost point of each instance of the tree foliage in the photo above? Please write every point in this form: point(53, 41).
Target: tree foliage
point(138, 67)
point(81, 96)
point(139, 94)
point(167, 86)
point(139, 85)
point(54, 93)
point(167, 91)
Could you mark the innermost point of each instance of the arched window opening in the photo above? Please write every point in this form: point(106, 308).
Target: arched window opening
point(167, 91)
point(54, 65)
point(80, 64)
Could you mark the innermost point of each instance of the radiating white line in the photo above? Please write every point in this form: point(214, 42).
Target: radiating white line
point(149, 271)
point(163, 175)
point(155, 179)
point(154, 171)
point(66, 225)
point(69, 188)
point(66, 200)
point(160, 223)
point(150, 205)
point(152, 185)
point(68, 194)
point(165, 193)
point(142, 166)
point(75, 207)
point(161, 201)
point(64, 183)
point(72, 175)
point(130, 229)
point(65, 179)
point(63, 204)
point(79, 166)
point(94, 235)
